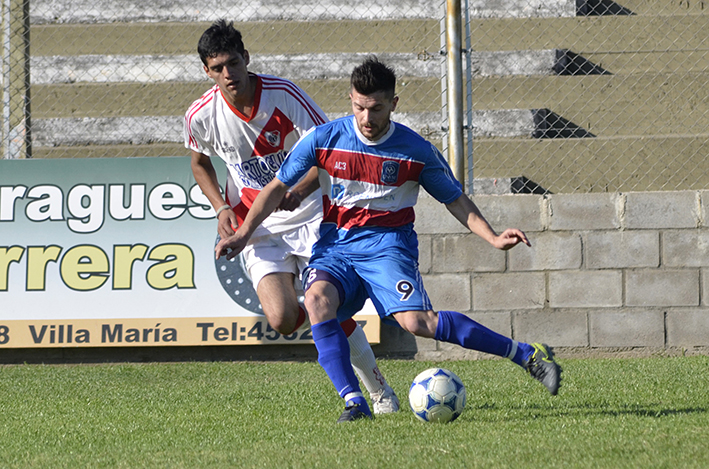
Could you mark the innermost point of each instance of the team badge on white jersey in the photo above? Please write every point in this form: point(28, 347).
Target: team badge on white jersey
point(273, 138)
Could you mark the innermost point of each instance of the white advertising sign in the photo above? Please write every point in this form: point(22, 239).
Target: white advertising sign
point(119, 252)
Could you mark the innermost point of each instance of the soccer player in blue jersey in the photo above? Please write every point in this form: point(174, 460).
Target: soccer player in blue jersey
point(370, 169)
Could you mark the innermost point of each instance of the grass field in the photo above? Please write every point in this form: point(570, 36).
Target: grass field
point(651, 412)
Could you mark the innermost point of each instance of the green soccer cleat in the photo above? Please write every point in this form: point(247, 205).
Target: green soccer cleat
point(354, 412)
point(543, 368)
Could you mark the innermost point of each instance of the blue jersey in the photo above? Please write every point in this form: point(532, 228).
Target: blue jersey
point(366, 183)
point(369, 190)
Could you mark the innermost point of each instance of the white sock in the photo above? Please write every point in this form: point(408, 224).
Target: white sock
point(363, 361)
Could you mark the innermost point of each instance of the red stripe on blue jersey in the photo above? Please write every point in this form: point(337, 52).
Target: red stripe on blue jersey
point(347, 218)
point(365, 167)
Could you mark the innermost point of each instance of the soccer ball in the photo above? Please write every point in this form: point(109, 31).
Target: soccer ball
point(437, 395)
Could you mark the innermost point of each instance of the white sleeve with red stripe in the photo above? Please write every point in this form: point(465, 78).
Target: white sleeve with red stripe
point(302, 110)
point(195, 129)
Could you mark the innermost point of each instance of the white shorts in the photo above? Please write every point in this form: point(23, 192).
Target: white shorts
point(283, 252)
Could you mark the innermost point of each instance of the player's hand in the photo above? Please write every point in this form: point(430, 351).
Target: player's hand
point(289, 202)
point(510, 238)
point(226, 223)
point(230, 246)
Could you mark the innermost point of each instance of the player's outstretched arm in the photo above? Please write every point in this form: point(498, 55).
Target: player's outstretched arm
point(466, 212)
point(293, 198)
point(265, 203)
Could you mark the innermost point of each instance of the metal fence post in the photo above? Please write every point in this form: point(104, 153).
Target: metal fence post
point(455, 89)
point(17, 141)
point(469, 98)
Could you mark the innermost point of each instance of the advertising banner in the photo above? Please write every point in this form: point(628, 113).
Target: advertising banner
point(120, 253)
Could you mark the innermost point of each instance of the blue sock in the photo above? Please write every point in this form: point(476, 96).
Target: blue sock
point(459, 329)
point(334, 357)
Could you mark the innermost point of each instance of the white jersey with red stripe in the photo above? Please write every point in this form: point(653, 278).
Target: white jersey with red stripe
point(253, 148)
point(369, 183)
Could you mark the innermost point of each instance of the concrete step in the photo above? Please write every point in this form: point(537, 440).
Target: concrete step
point(581, 107)
point(145, 130)
point(93, 100)
point(669, 162)
point(596, 103)
point(188, 68)
point(628, 63)
point(608, 105)
point(107, 11)
point(654, 7)
point(583, 35)
point(614, 45)
point(95, 68)
point(560, 8)
point(142, 130)
point(660, 162)
point(279, 37)
point(617, 34)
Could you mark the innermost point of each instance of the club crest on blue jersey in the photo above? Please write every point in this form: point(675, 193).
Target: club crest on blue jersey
point(390, 172)
point(338, 190)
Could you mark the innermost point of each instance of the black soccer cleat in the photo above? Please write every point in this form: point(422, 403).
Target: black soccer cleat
point(354, 412)
point(543, 368)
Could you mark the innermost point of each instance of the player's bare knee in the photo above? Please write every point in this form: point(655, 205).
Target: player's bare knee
point(282, 321)
point(319, 306)
point(315, 305)
point(284, 327)
point(420, 323)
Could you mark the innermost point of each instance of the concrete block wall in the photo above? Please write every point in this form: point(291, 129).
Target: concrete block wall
point(607, 274)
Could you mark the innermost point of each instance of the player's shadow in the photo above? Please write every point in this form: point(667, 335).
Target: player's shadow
point(649, 412)
point(542, 411)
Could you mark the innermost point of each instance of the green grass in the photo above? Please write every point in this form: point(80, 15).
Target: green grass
point(609, 413)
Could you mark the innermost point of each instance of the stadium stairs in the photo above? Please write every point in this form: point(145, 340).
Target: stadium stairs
point(542, 91)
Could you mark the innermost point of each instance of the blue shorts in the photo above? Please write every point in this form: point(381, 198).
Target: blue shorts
point(379, 264)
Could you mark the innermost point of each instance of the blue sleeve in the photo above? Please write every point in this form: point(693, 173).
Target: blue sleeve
point(301, 158)
point(438, 180)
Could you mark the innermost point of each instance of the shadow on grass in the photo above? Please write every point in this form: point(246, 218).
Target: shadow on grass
point(648, 411)
point(536, 411)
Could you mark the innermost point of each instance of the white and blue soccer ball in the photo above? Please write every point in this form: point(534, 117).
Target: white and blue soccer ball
point(437, 395)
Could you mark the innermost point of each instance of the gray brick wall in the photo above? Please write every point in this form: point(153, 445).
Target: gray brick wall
point(606, 273)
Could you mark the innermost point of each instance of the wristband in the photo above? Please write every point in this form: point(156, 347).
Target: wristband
point(221, 209)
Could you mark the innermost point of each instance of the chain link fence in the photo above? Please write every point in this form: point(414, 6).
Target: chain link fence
point(563, 95)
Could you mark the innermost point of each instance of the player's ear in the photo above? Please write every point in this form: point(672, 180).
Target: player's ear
point(394, 102)
point(247, 58)
point(206, 70)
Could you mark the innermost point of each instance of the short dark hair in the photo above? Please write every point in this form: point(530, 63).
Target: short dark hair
point(221, 37)
point(373, 76)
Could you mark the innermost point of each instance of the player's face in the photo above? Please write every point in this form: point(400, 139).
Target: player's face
point(372, 112)
point(228, 70)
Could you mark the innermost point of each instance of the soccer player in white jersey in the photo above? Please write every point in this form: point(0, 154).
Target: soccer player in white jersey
point(370, 169)
point(251, 122)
